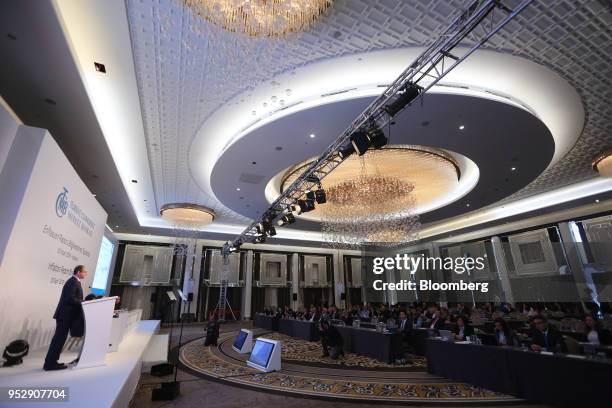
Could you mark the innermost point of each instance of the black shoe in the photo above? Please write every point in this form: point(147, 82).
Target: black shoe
point(54, 367)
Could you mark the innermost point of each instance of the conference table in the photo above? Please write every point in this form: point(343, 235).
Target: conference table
point(559, 380)
point(417, 339)
point(266, 321)
point(385, 347)
point(300, 329)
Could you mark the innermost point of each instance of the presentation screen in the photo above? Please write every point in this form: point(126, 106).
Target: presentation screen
point(103, 266)
point(240, 338)
point(262, 350)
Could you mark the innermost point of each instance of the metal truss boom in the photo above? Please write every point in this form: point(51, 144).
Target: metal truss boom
point(468, 32)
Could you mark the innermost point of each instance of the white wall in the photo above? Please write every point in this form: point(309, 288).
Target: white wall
point(39, 243)
point(8, 129)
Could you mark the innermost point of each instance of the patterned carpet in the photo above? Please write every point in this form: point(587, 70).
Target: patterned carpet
point(305, 373)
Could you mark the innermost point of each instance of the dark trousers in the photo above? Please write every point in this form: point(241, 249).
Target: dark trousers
point(62, 328)
point(333, 350)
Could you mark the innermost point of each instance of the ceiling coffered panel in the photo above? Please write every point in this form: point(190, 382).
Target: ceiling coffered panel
point(187, 69)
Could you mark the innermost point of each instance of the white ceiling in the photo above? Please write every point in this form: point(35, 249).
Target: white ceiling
point(184, 70)
point(187, 69)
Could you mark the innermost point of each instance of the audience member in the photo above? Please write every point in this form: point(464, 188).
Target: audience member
point(504, 335)
point(463, 329)
point(545, 337)
point(212, 331)
point(596, 334)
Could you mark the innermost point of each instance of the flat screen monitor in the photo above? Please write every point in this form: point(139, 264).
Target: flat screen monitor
point(240, 338)
point(105, 257)
point(262, 350)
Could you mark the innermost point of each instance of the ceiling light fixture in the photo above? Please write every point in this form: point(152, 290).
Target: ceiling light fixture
point(461, 127)
point(260, 18)
point(602, 162)
point(237, 188)
point(186, 214)
point(513, 169)
point(312, 135)
point(100, 67)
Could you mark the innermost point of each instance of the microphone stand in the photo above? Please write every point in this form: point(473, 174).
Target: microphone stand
point(170, 390)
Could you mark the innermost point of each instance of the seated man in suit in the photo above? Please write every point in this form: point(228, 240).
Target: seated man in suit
point(437, 321)
point(545, 337)
point(314, 316)
point(68, 314)
point(463, 329)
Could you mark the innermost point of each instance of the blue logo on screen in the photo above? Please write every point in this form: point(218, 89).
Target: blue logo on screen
point(61, 204)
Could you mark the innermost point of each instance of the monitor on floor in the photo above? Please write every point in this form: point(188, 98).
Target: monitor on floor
point(243, 343)
point(265, 355)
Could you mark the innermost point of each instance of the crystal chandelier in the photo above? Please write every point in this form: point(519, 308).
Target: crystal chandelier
point(187, 221)
point(369, 209)
point(260, 18)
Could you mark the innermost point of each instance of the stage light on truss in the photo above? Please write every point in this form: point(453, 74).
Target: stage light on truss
point(360, 142)
point(408, 94)
point(377, 137)
point(260, 239)
point(303, 206)
point(320, 197)
point(286, 220)
point(346, 151)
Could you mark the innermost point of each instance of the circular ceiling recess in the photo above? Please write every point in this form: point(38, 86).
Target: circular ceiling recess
point(461, 152)
point(433, 177)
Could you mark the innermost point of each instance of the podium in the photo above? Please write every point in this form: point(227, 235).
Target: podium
point(98, 315)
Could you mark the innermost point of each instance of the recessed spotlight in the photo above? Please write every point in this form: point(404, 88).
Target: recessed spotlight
point(116, 226)
point(237, 188)
point(100, 67)
point(596, 201)
point(467, 205)
point(312, 135)
point(513, 169)
point(461, 127)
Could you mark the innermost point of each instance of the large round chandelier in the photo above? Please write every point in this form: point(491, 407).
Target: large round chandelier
point(428, 174)
point(187, 221)
point(373, 199)
point(260, 18)
point(186, 214)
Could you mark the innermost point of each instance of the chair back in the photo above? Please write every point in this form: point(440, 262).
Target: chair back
point(572, 345)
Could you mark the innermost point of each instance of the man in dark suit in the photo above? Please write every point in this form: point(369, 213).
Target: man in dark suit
point(546, 337)
point(404, 325)
point(67, 314)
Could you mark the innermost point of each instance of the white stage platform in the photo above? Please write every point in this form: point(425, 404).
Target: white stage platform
point(112, 385)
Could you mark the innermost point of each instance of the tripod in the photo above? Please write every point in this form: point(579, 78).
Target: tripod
point(220, 308)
